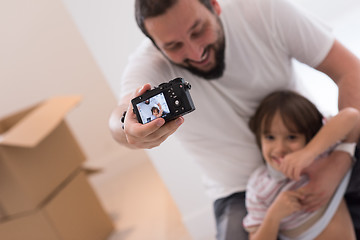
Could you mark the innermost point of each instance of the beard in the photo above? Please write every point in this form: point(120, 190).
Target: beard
point(215, 72)
point(219, 50)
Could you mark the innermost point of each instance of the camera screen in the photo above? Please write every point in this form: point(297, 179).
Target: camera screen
point(153, 108)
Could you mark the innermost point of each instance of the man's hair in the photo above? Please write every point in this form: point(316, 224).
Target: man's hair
point(298, 114)
point(152, 8)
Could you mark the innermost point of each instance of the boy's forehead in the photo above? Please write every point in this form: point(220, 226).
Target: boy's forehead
point(274, 120)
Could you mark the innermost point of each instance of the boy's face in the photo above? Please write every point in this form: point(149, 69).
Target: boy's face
point(155, 111)
point(280, 141)
point(189, 35)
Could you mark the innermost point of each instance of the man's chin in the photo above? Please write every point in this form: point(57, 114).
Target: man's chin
point(212, 74)
point(208, 75)
point(216, 71)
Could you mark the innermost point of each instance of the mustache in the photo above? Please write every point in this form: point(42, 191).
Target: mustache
point(206, 50)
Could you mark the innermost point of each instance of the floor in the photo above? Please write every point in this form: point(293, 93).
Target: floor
point(139, 203)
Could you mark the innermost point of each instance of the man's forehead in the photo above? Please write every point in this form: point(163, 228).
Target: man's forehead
point(168, 26)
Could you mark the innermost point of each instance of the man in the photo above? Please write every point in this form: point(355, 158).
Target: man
point(233, 55)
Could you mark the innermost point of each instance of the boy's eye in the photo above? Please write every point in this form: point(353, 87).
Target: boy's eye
point(292, 137)
point(269, 137)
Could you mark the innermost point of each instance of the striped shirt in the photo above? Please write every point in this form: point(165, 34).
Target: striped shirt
point(264, 186)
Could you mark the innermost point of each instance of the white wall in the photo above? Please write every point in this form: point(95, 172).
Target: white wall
point(343, 16)
point(42, 54)
point(110, 31)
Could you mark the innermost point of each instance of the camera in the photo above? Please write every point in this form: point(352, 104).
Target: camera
point(169, 100)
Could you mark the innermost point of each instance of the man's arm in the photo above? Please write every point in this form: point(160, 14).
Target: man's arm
point(133, 134)
point(343, 68)
point(115, 124)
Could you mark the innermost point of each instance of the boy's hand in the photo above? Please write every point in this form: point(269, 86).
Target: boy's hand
point(286, 203)
point(293, 164)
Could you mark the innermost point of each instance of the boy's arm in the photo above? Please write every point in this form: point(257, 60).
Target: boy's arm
point(343, 67)
point(161, 110)
point(326, 173)
point(340, 127)
point(284, 205)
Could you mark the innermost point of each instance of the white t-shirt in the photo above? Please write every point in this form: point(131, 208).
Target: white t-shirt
point(262, 37)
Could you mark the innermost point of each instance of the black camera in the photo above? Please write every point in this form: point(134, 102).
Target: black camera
point(169, 100)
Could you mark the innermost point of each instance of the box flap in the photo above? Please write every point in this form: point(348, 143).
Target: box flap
point(34, 127)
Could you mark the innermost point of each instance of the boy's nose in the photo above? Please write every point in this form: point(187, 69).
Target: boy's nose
point(280, 148)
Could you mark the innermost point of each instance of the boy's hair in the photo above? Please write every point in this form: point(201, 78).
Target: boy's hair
point(153, 109)
point(152, 8)
point(298, 114)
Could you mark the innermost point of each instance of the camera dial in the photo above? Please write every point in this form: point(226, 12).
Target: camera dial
point(187, 85)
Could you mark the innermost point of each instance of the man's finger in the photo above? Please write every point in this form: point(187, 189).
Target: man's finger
point(142, 90)
point(165, 129)
point(144, 130)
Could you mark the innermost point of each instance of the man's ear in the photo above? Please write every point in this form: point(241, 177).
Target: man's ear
point(216, 6)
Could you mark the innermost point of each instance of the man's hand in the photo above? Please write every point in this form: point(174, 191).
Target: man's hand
point(325, 175)
point(147, 135)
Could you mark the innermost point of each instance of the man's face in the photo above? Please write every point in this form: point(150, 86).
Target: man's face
point(191, 36)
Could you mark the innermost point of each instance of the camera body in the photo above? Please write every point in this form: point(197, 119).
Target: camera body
point(169, 100)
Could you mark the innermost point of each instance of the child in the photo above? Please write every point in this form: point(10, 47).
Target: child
point(157, 110)
point(290, 133)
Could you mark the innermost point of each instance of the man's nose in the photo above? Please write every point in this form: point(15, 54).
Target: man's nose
point(195, 51)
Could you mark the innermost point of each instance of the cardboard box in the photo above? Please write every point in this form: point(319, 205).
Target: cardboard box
point(74, 213)
point(37, 153)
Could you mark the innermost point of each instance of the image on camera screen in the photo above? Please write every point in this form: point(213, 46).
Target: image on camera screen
point(153, 108)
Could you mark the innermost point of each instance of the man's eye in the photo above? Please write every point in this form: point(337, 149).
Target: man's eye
point(174, 47)
point(196, 34)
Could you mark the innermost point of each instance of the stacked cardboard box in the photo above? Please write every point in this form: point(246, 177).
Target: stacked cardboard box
point(43, 192)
